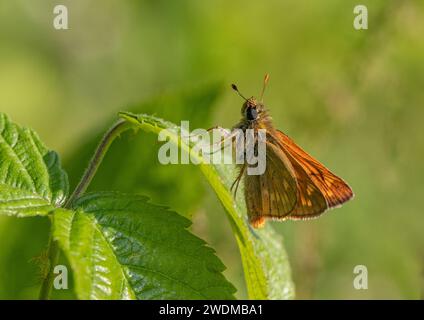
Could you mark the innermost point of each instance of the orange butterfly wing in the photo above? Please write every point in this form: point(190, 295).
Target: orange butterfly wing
point(310, 202)
point(274, 193)
point(334, 190)
point(294, 185)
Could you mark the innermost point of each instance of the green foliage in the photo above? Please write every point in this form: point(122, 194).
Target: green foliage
point(264, 259)
point(180, 187)
point(121, 247)
point(31, 179)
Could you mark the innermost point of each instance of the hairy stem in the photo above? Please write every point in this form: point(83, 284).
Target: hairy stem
point(53, 259)
point(53, 248)
point(119, 127)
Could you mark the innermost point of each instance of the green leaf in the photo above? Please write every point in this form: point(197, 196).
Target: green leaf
point(179, 187)
point(123, 247)
point(31, 179)
point(265, 262)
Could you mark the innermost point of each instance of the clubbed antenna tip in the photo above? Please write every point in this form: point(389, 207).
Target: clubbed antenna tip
point(237, 90)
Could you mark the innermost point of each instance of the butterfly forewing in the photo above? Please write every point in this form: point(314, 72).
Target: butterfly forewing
point(309, 200)
point(333, 188)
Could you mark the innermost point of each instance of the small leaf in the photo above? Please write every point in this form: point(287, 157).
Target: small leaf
point(265, 262)
point(123, 247)
point(31, 179)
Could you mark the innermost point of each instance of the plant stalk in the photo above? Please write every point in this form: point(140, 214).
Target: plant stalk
point(119, 127)
point(53, 250)
point(53, 259)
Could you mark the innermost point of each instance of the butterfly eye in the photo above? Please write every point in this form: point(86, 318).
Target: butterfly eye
point(251, 113)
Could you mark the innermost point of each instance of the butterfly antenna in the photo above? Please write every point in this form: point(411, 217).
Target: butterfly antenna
point(266, 79)
point(237, 90)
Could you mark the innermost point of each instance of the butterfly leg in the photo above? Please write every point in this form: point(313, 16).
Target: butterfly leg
point(222, 130)
point(221, 144)
point(237, 181)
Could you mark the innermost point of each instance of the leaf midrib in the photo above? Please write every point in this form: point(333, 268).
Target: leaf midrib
point(96, 227)
point(15, 159)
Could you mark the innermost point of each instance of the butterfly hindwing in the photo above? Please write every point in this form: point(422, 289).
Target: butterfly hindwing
point(274, 193)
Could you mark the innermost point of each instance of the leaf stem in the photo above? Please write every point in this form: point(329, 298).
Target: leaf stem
point(53, 250)
point(110, 135)
point(53, 259)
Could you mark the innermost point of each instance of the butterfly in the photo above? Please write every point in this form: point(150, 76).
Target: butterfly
point(294, 186)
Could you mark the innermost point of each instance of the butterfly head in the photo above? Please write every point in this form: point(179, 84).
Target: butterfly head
point(251, 109)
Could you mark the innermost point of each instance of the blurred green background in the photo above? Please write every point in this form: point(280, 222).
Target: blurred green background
point(354, 99)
